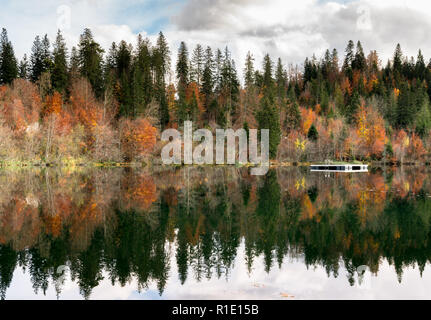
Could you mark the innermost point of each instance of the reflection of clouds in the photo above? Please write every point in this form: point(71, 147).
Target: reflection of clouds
point(293, 278)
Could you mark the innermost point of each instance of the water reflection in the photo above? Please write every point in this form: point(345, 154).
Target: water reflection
point(192, 223)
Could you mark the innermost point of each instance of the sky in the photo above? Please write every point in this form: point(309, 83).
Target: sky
point(291, 30)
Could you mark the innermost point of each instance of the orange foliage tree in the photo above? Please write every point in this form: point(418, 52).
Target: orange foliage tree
point(371, 132)
point(138, 138)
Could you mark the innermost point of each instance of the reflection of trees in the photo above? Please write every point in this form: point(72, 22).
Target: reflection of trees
point(122, 223)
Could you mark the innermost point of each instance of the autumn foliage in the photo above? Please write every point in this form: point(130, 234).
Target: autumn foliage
point(79, 126)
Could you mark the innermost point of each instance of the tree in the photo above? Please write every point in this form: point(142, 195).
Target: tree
point(249, 80)
point(359, 62)
point(293, 117)
point(8, 63)
point(423, 119)
point(142, 78)
point(268, 118)
point(197, 65)
point(312, 134)
point(268, 81)
point(208, 79)
point(183, 81)
point(23, 69)
point(138, 138)
point(123, 60)
point(348, 60)
point(90, 55)
point(405, 111)
point(59, 76)
point(182, 70)
point(281, 82)
point(40, 58)
point(161, 66)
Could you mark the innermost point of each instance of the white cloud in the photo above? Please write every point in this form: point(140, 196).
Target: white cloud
point(286, 29)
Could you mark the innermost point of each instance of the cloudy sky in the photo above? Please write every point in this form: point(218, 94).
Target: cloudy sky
point(291, 30)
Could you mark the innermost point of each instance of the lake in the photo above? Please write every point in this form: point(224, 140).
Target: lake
point(215, 233)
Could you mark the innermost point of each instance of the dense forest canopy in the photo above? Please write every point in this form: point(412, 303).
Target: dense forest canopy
point(58, 104)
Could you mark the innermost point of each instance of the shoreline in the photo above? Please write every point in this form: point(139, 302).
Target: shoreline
point(152, 163)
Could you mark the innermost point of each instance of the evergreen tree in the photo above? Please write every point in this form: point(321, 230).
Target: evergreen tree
point(281, 82)
point(8, 62)
point(164, 56)
point(142, 83)
point(229, 86)
point(420, 67)
point(197, 65)
point(161, 62)
point(348, 60)
point(353, 107)
point(268, 81)
point(398, 59)
point(405, 112)
point(312, 134)
point(183, 81)
point(74, 63)
point(59, 76)
point(423, 119)
point(182, 70)
point(208, 79)
point(123, 61)
point(249, 73)
point(40, 58)
point(359, 62)
point(268, 118)
point(23, 69)
point(293, 117)
point(90, 55)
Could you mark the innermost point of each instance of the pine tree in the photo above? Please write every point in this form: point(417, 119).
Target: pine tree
point(353, 107)
point(182, 70)
point(268, 81)
point(359, 62)
point(229, 86)
point(8, 62)
point(268, 118)
point(208, 79)
point(348, 60)
point(183, 81)
point(312, 134)
point(398, 59)
point(74, 63)
point(23, 68)
point(123, 62)
point(420, 67)
point(161, 62)
point(142, 83)
point(281, 81)
point(405, 112)
point(59, 76)
point(90, 55)
point(293, 117)
point(164, 53)
point(423, 119)
point(197, 65)
point(249, 80)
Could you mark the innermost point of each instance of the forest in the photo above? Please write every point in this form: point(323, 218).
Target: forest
point(86, 105)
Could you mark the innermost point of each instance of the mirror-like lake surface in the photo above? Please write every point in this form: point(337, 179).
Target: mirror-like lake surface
point(215, 233)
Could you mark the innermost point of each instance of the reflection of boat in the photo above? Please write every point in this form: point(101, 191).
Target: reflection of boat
point(345, 167)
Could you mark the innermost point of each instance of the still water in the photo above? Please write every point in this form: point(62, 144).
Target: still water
point(215, 233)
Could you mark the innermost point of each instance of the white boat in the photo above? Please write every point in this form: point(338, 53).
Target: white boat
point(347, 167)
